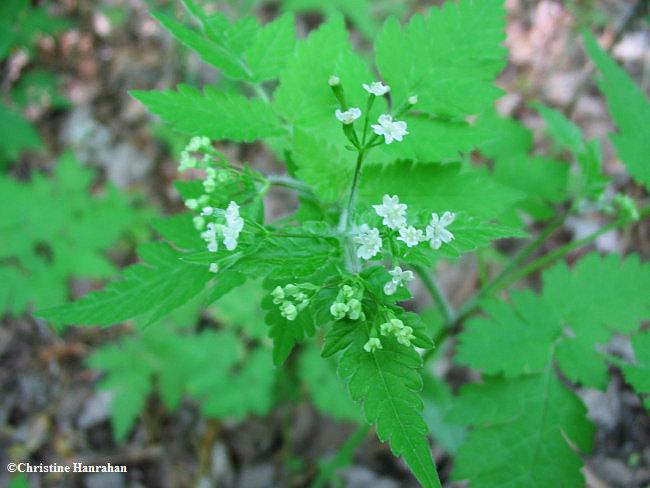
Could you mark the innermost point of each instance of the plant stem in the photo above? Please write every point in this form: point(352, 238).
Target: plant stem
point(342, 457)
point(287, 182)
point(567, 248)
point(436, 293)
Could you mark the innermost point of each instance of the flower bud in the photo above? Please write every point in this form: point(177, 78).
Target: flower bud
point(334, 80)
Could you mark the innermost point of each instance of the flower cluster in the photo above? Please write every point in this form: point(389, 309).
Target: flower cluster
point(348, 304)
point(394, 217)
point(399, 278)
point(215, 230)
point(291, 298)
point(196, 144)
point(392, 130)
point(403, 333)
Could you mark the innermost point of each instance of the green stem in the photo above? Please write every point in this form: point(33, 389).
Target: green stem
point(436, 293)
point(342, 458)
point(304, 236)
point(287, 182)
point(567, 248)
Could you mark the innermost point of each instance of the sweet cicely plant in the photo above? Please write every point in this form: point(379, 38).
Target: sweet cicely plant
point(378, 161)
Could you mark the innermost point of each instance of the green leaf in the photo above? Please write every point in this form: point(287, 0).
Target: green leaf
point(449, 59)
point(323, 165)
point(304, 97)
point(598, 298)
point(434, 139)
point(581, 308)
point(630, 110)
point(524, 433)
point(152, 289)
point(437, 188)
point(504, 136)
point(544, 180)
point(222, 364)
point(44, 245)
point(287, 333)
point(211, 52)
point(565, 132)
point(212, 113)
point(514, 340)
point(638, 375)
point(267, 55)
point(387, 381)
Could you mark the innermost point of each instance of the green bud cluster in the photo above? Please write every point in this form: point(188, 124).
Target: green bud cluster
point(348, 304)
point(403, 333)
point(291, 299)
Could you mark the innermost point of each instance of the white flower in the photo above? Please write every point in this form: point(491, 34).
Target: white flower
point(436, 232)
point(372, 344)
point(405, 335)
point(389, 129)
point(399, 277)
point(339, 310)
point(288, 310)
point(214, 268)
point(392, 211)
point(370, 242)
point(377, 88)
point(413, 99)
point(210, 236)
point(230, 235)
point(207, 211)
point(410, 235)
point(349, 115)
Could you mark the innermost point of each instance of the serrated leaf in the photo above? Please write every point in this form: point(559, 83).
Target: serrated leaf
point(576, 311)
point(267, 55)
point(514, 340)
point(522, 430)
point(151, 290)
point(304, 97)
point(630, 110)
point(211, 52)
point(322, 165)
point(387, 381)
point(437, 188)
point(449, 59)
point(180, 231)
point(594, 300)
point(215, 114)
point(223, 364)
point(433, 139)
